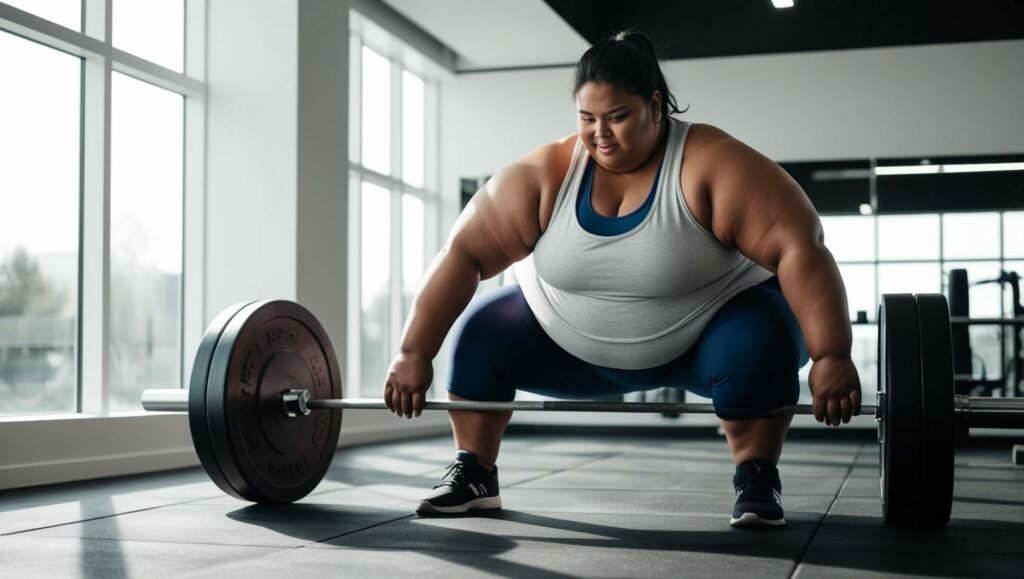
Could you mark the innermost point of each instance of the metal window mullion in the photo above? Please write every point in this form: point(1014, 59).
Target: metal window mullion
point(50, 34)
point(95, 43)
point(432, 169)
point(1002, 266)
point(355, 290)
point(431, 140)
point(396, 291)
point(942, 249)
point(192, 302)
point(878, 283)
point(155, 74)
point(389, 182)
point(94, 349)
point(355, 106)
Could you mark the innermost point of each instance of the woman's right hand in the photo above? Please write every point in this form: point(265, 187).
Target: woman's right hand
point(409, 377)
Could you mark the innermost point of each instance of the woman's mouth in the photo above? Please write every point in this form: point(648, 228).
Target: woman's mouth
point(606, 148)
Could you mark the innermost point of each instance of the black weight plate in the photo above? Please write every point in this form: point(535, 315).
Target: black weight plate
point(197, 396)
point(937, 420)
point(899, 379)
point(267, 348)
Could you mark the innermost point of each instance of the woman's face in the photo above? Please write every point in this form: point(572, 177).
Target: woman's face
point(619, 129)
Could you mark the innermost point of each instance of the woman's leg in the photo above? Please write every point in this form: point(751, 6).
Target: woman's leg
point(478, 432)
point(499, 347)
point(756, 438)
point(747, 360)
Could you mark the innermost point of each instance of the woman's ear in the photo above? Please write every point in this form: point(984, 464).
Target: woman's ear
point(655, 105)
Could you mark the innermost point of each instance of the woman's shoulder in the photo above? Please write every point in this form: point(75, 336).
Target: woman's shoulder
point(556, 154)
point(550, 161)
point(705, 147)
point(702, 134)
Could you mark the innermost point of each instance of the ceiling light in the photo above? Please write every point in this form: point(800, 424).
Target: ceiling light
point(782, 3)
point(865, 209)
point(960, 168)
point(982, 167)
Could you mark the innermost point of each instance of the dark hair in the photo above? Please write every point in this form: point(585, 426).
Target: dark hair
point(628, 60)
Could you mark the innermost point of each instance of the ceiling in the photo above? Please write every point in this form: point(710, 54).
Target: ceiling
point(489, 34)
point(709, 28)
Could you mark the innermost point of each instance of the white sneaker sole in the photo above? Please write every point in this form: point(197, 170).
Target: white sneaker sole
point(752, 520)
point(480, 504)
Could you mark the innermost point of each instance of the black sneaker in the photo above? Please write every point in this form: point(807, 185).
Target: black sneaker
point(464, 487)
point(758, 495)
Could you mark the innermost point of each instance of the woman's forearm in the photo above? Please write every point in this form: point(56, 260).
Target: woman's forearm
point(811, 282)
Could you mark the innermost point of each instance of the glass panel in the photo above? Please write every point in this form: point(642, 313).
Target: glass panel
point(1008, 305)
point(913, 278)
point(67, 13)
point(970, 235)
point(908, 237)
point(40, 99)
point(153, 29)
point(986, 349)
point(860, 290)
point(850, 238)
point(146, 208)
point(375, 247)
point(1013, 234)
point(376, 118)
point(413, 111)
point(984, 299)
point(414, 241)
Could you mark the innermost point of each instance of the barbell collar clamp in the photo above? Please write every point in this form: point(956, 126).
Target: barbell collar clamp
point(296, 403)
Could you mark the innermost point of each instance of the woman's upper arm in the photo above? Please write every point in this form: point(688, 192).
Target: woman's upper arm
point(756, 206)
point(501, 223)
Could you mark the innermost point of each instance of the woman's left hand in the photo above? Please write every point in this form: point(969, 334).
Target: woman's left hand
point(835, 386)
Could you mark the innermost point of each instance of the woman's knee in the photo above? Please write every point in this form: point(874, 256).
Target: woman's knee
point(751, 359)
point(483, 340)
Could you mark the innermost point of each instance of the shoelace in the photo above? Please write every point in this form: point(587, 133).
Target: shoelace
point(758, 483)
point(454, 477)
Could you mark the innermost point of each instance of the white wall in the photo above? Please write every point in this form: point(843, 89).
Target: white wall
point(251, 229)
point(921, 100)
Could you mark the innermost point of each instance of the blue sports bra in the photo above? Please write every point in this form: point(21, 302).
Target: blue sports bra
point(598, 224)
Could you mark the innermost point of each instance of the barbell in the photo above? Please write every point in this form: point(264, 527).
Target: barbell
point(264, 405)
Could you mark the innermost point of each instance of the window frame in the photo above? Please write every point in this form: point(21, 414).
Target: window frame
point(365, 33)
point(99, 59)
point(942, 259)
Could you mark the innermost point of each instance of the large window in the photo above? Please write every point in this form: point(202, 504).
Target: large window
point(914, 254)
point(94, 158)
point(40, 112)
point(394, 196)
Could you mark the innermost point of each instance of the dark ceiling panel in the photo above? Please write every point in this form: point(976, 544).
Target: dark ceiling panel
point(689, 29)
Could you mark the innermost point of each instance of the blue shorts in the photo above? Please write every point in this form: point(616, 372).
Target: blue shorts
point(746, 361)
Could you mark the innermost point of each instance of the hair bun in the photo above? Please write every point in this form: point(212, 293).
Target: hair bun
point(638, 39)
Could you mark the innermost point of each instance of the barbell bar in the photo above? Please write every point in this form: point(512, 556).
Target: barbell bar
point(262, 368)
point(300, 403)
point(975, 412)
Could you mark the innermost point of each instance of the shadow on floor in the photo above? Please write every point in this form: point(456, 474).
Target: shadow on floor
point(402, 531)
point(877, 548)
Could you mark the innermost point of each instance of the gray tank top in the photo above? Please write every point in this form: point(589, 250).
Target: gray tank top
point(639, 299)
